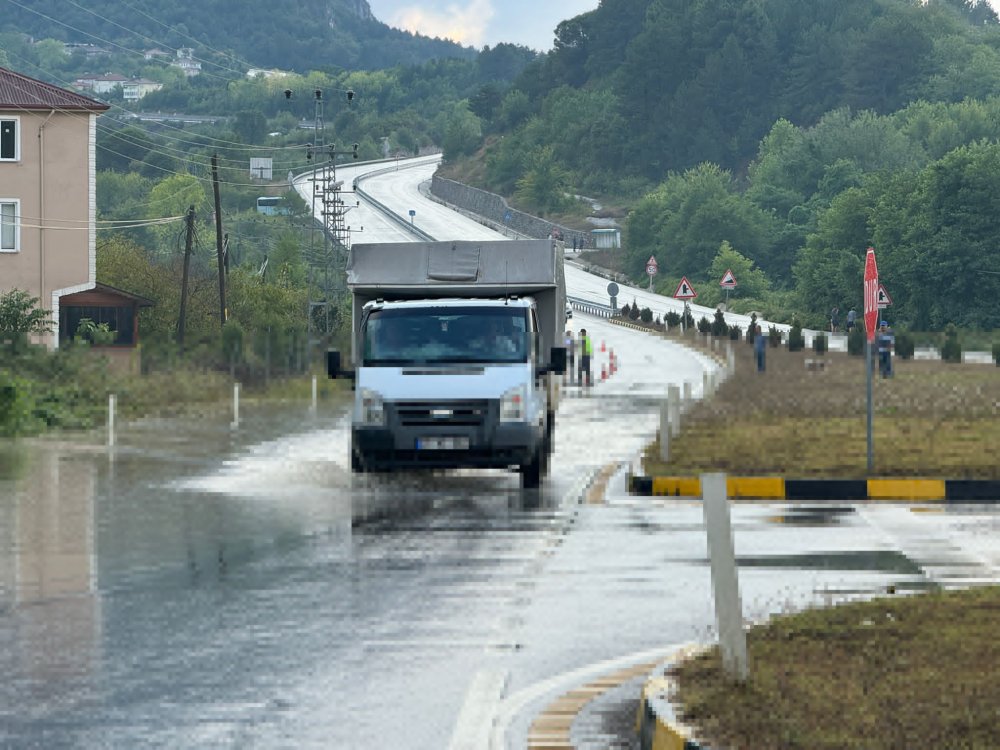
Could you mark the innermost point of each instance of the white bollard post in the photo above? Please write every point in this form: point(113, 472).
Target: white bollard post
point(664, 431)
point(112, 405)
point(730, 358)
point(674, 409)
point(687, 396)
point(706, 384)
point(313, 407)
point(236, 405)
point(725, 583)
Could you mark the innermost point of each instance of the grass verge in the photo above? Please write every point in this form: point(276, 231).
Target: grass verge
point(904, 672)
point(932, 419)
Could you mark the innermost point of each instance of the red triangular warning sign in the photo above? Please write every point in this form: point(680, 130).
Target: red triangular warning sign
point(728, 280)
point(685, 290)
point(884, 300)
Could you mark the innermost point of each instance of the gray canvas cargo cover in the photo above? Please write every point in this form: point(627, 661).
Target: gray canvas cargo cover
point(453, 268)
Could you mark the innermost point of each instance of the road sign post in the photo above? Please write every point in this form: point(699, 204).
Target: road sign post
point(651, 269)
point(871, 288)
point(728, 282)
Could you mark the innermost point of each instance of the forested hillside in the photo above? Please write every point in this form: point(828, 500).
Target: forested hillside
point(298, 35)
point(787, 135)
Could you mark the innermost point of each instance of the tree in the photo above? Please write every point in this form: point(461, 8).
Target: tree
point(543, 186)
point(21, 317)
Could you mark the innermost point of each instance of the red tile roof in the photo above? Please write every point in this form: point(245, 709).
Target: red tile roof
point(18, 92)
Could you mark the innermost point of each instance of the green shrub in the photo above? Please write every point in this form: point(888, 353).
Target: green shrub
point(624, 310)
point(796, 341)
point(704, 326)
point(16, 406)
point(646, 315)
point(773, 336)
point(904, 345)
point(719, 326)
point(820, 343)
point(856, 341)
point(672, 319)
point(688, 319)
point(735, 332)
point(951, 349)
point(633, 312)
point(752, 328)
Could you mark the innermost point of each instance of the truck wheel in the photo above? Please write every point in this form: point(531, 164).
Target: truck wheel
point(357, 465)
point(531, 472)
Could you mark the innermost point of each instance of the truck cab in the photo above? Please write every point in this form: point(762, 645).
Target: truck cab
point(449, 383)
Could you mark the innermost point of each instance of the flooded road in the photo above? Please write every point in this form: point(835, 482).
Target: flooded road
point(210, 587)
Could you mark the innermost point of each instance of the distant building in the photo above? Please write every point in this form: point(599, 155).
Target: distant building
point(262, 73)
point(136, 88)
point(87, 50)
point(186, 62)
point(606, 239)
point(100, 84)
point(156, 54)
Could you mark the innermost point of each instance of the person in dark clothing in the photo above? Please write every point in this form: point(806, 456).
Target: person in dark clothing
point(760, 348)
point(885, 340)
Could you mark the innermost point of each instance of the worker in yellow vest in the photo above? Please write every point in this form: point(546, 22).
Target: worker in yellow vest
point(586, 353)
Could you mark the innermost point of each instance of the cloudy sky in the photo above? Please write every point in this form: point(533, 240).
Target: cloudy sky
point(480, 22)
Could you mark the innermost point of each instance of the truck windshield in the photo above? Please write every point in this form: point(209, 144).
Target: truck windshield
point(446, 335)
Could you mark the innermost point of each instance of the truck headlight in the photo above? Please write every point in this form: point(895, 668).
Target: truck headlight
point(513, 405)
point(372, 408)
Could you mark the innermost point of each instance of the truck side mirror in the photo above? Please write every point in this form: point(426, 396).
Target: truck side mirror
point(333, 364)
point(557, 358)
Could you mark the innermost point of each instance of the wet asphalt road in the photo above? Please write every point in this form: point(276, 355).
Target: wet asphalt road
point(216, 588)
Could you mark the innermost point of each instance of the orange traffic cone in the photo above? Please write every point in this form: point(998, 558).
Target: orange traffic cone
point(602, 346)
point(611, 361)
point(604, 372)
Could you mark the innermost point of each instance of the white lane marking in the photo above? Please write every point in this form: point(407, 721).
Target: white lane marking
point(472, 730)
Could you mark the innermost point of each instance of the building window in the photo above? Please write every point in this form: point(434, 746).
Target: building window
point(9, 143)
point(10, 225)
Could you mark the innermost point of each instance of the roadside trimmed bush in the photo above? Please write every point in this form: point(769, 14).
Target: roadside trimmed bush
point(796, 341)
point(719, 326)
point(856, 341)
point(820, 343)
point(735, 332)
point(704, 325)
point(951, 349)
point(672, 319)
point(774, 336)
point(646, 316)
point(904, 345)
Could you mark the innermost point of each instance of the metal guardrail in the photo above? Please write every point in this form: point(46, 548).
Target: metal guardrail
point(591, 308)
point(384, 209)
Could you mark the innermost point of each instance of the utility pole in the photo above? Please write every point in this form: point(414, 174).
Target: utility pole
point(218, 240)
point(188, 242)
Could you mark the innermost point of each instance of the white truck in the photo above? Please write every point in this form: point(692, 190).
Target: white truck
point(454, 347)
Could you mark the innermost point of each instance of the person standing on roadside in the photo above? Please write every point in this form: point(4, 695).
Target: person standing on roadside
point(885, 340)
point(586, 352)
point(570, 343)
point(834, 319)
point(760, 348)
point(852, 317)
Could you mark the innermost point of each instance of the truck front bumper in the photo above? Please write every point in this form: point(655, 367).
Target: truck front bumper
point(503, 446)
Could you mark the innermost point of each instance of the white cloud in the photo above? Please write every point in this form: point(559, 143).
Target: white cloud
point(465, 23)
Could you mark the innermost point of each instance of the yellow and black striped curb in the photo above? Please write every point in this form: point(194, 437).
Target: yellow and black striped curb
point(656, 721)
point(778, 488)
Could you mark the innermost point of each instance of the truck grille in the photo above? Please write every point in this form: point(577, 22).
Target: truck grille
point(439, 413)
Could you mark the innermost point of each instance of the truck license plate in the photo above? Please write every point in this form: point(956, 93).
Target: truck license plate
point(442, 443)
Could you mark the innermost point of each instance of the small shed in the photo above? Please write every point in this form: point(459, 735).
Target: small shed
point(106, 304)
point(606, 239)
